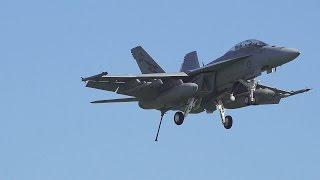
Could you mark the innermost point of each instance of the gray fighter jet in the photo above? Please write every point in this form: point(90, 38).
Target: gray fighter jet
point(226, 83)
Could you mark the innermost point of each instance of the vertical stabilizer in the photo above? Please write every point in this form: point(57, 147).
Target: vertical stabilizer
point(190, 62)
point(145, 62)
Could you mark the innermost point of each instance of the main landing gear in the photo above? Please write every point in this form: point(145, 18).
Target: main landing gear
point(226, 120)
point(178, 118)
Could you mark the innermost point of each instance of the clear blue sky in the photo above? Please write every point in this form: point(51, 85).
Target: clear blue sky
point(49, 131)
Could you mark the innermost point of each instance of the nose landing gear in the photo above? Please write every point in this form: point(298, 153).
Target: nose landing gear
point(251, 85)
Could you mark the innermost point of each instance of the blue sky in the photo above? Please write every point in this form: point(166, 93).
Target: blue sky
point(48, 130)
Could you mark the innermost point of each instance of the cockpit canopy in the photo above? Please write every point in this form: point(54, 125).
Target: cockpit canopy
point(250, 43)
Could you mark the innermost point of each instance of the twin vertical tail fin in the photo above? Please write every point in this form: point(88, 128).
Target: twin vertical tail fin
point(145, 62)
point(190, 62)
point(148, 65)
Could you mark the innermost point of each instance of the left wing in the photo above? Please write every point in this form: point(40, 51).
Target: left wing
point(144, 86)
point(125, 78)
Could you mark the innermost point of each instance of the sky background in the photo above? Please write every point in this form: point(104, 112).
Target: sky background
point(50, 131)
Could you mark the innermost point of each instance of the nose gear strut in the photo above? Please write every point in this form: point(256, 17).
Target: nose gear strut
point(251, 86)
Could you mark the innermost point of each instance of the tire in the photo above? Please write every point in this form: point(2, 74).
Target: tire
point(228, 122)
point(178, 118)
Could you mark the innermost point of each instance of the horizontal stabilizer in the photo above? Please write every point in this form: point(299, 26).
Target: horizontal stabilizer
point(116, 100)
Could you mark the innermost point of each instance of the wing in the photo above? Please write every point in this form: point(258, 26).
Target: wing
point(284, 93)
point(125, 78)
point(144, 86)
point(148, 85)
point(163, 76)
point(116, 100)
point(216, 66)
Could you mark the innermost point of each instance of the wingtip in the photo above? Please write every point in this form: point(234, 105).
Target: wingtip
point(94, 77)
point(136, 48)
point(94, 102)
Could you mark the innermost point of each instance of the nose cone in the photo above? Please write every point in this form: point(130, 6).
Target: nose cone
point(285, 55)
point(277, 56)
point(290, 53)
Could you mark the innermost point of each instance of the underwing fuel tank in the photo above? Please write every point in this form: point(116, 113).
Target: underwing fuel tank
point(173, 95)
point(262, 96)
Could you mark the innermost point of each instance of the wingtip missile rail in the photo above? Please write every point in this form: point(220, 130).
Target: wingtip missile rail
point(95, 77)
point(300, 91)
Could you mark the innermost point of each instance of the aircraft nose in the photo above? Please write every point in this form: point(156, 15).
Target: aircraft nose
point(291, 53)
point(281, 55)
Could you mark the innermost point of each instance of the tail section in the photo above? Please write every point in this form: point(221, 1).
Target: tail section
point(145, 62)
point(190, 62)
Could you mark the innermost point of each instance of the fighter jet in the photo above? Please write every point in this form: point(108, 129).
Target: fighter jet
point(229, 82)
